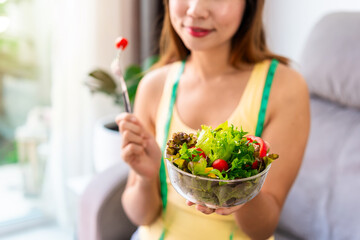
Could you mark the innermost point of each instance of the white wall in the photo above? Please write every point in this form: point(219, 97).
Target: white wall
point(289, 22)
point(116, 18)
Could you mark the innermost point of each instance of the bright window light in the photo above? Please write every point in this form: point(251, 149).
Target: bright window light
point(3, 1)
point(4, 23)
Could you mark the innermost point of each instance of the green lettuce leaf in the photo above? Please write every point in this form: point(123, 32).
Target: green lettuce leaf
point(219, 143)
point(198, 168)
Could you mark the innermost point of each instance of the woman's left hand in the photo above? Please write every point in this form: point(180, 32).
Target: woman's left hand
point(220, 211)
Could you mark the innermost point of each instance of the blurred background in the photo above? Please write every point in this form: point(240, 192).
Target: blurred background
point(50, 122)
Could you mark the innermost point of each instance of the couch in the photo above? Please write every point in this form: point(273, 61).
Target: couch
point(100, 213)
point(324, 202)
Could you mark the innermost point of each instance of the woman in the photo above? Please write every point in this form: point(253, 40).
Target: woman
point(214, 51)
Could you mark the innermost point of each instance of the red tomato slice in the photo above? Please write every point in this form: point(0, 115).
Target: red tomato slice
point(263, 147)
point(202, 154)
point(250, 138)
point(267, 145)
point(260, 142)
point(220, 165)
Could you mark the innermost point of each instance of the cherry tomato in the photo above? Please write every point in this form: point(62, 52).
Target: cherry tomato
point(220, 165)
point(121, 42)
point(255, 165)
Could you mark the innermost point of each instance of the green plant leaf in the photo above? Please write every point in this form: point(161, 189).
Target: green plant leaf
point(133, 72)
point(132, 76)
point(101, 81)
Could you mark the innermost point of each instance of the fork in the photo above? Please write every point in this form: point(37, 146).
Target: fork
point(120, 44)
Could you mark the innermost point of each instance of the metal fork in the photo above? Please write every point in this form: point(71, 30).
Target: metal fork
point(121, 44)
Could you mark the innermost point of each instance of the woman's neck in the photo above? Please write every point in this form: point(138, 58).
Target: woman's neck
point(210, 64)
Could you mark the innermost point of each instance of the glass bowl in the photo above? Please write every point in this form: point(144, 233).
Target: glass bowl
point(215, 193)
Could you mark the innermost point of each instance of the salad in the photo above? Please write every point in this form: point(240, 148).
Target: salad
point(222, 155)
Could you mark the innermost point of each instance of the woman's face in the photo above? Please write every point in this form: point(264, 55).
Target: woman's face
point(205, 24)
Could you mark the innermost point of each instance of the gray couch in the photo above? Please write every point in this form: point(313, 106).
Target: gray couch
point(324, 202)
point(100, 214)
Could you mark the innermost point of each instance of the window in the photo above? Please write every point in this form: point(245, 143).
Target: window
point(24, 111)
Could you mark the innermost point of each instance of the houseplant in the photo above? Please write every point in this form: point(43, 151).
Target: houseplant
point(106, 133)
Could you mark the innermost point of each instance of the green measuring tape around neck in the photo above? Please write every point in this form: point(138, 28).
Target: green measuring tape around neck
point(259, 128)
point(163, 184)
point(265, 97)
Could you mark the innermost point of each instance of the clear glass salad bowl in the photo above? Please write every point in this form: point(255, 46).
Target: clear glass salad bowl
point(215, 193)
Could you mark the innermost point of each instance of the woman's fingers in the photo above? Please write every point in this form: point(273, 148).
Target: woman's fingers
point(131, 134)
point(126, 125)
point(130, 152)
point(189, 203)
point(223, 211)
point(127, 121)
point(131, 130)
point(122, 116)
point(126, 117)
point(227, 211)
point(204, 209)
point(201, 208)
point(129, 137)
point(220, 211)
point(138, 147)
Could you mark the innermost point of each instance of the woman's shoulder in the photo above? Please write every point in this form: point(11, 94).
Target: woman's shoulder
point(289, 92)
point(150, 90)
point(151, 85)
point(288, 83)
point(155, 79)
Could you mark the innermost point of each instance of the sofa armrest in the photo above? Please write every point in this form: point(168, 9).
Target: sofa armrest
point(101, 216)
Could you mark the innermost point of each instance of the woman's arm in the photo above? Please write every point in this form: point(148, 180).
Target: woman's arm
point(141, 198)
point(287, 128)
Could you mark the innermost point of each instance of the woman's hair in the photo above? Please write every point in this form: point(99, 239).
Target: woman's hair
point(248, 44)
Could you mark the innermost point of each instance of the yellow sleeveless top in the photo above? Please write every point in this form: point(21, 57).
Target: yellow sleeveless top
point(183, 222)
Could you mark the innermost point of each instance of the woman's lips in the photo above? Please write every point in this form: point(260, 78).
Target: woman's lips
point(198, 32)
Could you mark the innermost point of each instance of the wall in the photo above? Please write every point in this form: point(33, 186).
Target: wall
point(288, 22)
point(116, 18)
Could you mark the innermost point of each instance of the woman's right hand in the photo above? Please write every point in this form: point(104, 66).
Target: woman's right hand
point(139, 148)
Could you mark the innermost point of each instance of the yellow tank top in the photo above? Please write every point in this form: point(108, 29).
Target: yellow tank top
point(181, 221)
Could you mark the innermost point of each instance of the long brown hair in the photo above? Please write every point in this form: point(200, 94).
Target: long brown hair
point(248, 45)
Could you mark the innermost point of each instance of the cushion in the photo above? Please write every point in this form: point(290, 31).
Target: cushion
point(330, 61)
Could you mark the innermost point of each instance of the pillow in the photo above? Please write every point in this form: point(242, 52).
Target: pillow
point(330, 61)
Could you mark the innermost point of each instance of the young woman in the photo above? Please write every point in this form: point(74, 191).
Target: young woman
point(214, 52)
